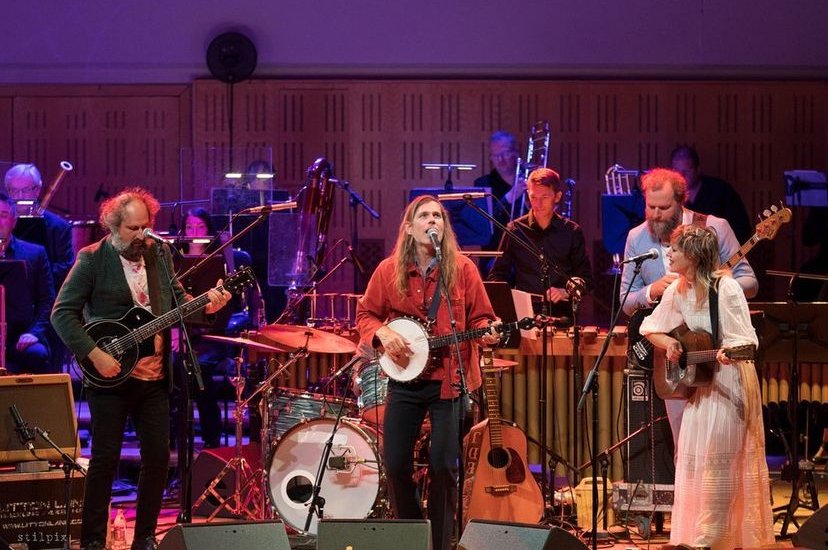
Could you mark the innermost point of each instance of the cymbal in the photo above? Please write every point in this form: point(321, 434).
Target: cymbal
point(239, 341)
point(499, 364)
point(315, 340)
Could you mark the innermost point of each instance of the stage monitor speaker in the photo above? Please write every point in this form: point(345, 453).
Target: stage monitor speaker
point(207, 466)
point(496, 535)
point(250, 535)
point(814, 532)
point(399, 534)
point(655, 442)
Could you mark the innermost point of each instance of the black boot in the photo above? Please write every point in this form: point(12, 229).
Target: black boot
point(821, 456)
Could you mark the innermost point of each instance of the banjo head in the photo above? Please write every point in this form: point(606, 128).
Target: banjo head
point(414, 333)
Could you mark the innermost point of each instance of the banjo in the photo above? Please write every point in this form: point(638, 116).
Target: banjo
point(422, 344)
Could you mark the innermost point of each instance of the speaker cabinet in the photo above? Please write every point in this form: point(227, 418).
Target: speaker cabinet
point(399, 534)
point(814, 532)
point(650, 451)
point(208, 464)
point(496, 535)
point(250, 535)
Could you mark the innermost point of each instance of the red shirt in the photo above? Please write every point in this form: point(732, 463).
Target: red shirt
point(470, 306)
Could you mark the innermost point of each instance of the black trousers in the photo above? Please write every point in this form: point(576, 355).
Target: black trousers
point(147, 403)
point(404, 416)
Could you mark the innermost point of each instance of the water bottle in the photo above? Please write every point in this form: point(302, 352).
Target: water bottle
point(119, 532)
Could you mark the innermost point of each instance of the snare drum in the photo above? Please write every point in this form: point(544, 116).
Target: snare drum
point(372, 392)
point(351, 487)
point(288, 407)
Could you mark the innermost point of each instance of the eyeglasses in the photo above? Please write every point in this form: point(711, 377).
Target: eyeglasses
point(22, 192)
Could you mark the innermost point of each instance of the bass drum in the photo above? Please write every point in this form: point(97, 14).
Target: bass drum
point(350, 489)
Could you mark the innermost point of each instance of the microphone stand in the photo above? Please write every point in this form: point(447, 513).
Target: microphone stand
point(547, 266)
point(462, 396)
point(317, 503)
point(192, 369)
point(354, 200)
point(592, 385)
point(69, 464)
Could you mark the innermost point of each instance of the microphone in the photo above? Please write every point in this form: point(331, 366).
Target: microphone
point(576, 287)
point(24, 433)
point(150, 234)
point(461, 196)
point(651, 254)
point(432, 234)
point(268, 208)
point(357, 262)
point(343, 462)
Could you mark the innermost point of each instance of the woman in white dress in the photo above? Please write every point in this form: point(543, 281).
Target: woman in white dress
point(722, 498)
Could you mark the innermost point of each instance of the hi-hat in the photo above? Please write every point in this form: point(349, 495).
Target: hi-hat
point(315, 340)
point(239, 341)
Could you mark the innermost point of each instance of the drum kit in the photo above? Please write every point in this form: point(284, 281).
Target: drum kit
point(295, 427)
point(298, 425)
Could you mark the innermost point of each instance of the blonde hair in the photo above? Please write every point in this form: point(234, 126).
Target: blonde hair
point(701, 247)
point(404, 249)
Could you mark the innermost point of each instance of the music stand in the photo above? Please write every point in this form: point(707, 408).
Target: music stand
point(500, 295)
point(471, 229)
point(199, 282)
point(19, 311)
point(31, 229)
point(782, 336)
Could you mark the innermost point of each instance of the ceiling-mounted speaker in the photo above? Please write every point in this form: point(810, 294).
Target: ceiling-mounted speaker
point(231, 57)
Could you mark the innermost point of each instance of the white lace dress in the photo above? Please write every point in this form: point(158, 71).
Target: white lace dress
point(722, 492)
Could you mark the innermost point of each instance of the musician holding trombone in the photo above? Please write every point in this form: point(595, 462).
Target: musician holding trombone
point(405, 284)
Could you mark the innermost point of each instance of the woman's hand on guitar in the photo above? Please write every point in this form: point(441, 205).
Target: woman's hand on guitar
point(674, 350)
point(394, 344)
point(721, 357)
point(104, 363)
point(492, 337)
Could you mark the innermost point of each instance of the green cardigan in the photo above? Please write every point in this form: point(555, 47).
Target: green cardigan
point(96, 288)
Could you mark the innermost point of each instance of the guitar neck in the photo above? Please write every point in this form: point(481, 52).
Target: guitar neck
point(701, 356)
point(492, 401)
point(168, 319)
point(472, 334)
point(742, 252)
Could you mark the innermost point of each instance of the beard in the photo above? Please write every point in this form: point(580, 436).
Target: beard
point(132, 250)
point(662, 230)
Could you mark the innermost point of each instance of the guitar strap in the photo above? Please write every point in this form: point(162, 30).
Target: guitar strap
point(714, 312)
point(435, 304)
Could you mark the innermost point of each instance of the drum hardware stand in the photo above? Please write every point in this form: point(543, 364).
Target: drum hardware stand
point(547, 267)
point(246, 480)
point(591, 384)
point(317, 503)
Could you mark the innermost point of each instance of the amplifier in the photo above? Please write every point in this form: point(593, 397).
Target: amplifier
point(648, 497)
point(33, 511)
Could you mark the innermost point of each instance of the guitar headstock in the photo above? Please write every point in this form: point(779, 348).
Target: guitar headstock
point(238, 281)
point(738, 353)
point(775, 216)
point(538, 321)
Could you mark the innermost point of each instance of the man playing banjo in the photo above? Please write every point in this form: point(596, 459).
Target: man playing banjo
point(405, 285)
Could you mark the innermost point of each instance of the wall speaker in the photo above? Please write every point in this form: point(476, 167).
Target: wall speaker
point(399, 534)
point(250, 535)
point(496, 535)
point(207, 466)
point(651, 451)
point(814, 532)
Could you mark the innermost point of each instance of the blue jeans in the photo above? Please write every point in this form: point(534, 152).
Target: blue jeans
point(404, 416)
point(147, 403)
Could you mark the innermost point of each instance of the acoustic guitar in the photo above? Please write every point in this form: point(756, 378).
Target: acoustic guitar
point(498, 484)
point(130, 338)
point(695, 368)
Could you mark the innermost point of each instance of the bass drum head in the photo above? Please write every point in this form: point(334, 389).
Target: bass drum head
point(349, 493)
